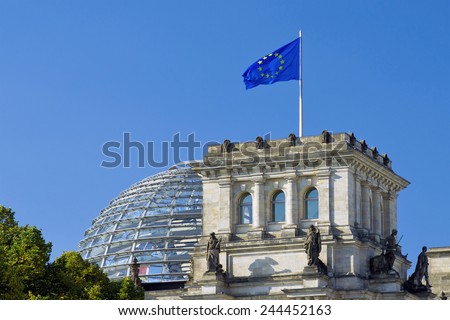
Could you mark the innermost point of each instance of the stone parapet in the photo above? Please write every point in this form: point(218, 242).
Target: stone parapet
point(283, 147)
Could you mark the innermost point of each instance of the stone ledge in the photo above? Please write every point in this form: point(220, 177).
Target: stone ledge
point(311, 293)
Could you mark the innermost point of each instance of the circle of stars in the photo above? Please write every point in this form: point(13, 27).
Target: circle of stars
point(267, 75)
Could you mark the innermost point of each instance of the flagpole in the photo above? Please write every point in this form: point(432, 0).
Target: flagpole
point(300, 97)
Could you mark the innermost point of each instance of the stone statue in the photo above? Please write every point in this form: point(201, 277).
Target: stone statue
point(422, 268)
point(364, 145)
point(292, 139)
point(414, 282)
point(391, 246)
point(313, 245)
point(386, 159)
point(384, 263)
point(326, 137)
point(212, 253)
point(375, 152)
point(352, 139)
point(227, 146)
point(260, 143)
point(221, 275)
point(135, 272)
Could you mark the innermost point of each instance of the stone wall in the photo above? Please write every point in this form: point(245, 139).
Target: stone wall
point(439, 270)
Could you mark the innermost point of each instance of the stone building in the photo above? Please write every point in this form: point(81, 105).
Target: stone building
point(438, 270)
point(260, 198)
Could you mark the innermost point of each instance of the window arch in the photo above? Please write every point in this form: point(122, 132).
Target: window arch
point(312, 204)
point(245, 209)
point(278, 206)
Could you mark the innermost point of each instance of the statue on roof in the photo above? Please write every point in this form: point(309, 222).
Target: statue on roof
point(422, 268)
point(260, 143)
point(227, 146)
point(414, 282)
point(384, 263)
point(292, 138)
point(391, 246)
point(326, 137)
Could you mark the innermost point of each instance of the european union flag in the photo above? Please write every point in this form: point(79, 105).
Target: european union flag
point(280, 65)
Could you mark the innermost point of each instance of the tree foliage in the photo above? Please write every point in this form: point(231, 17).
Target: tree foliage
point(25, 271)
point(23, 257)
point(71, 277)
point(128, 291)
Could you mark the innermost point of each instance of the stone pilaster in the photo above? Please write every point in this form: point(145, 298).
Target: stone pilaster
point(393, 211)
point(323, 188)
point(377, 218)
point(386, 227)
point(225, 204)
point(290, 226)
point(358, 209)
point(258, 211)
point(365, 204)
point(289, 202)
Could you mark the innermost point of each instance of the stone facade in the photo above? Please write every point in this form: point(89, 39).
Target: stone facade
point(438, 270)
point(264, 257)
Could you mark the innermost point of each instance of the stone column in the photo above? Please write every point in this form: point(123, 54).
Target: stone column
point(258, 211)
point(365, 206)
point(377, 219)
point(224, 225)
point(289, 204)
point(290, 227)
point(323, 188)
point(258, 206)
point(393, 211)
point(358, 208)
point(386, 227)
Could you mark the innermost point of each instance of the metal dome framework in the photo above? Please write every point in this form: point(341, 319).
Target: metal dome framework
point(157, 220)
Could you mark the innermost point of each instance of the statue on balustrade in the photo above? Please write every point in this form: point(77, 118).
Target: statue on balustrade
point(313, 246)
point(212, 253)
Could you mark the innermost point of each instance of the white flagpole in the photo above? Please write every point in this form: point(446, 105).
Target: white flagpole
point(300, 100)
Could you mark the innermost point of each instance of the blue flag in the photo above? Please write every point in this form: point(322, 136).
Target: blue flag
point(280, 65)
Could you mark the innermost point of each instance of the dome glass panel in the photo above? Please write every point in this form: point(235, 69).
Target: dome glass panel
point(157, 220)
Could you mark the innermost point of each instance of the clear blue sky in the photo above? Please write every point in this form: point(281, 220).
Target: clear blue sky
point(77, 74)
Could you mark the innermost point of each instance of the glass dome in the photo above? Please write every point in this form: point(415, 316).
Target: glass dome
point(157, 220)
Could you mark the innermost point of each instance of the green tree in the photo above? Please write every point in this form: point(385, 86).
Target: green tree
point(25, 271)
point(24, 255)
point(128, 291)
point(71, 277)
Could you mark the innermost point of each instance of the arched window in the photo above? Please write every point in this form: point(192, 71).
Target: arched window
point(312, 204)
point(278, 212)
point(245, 209)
